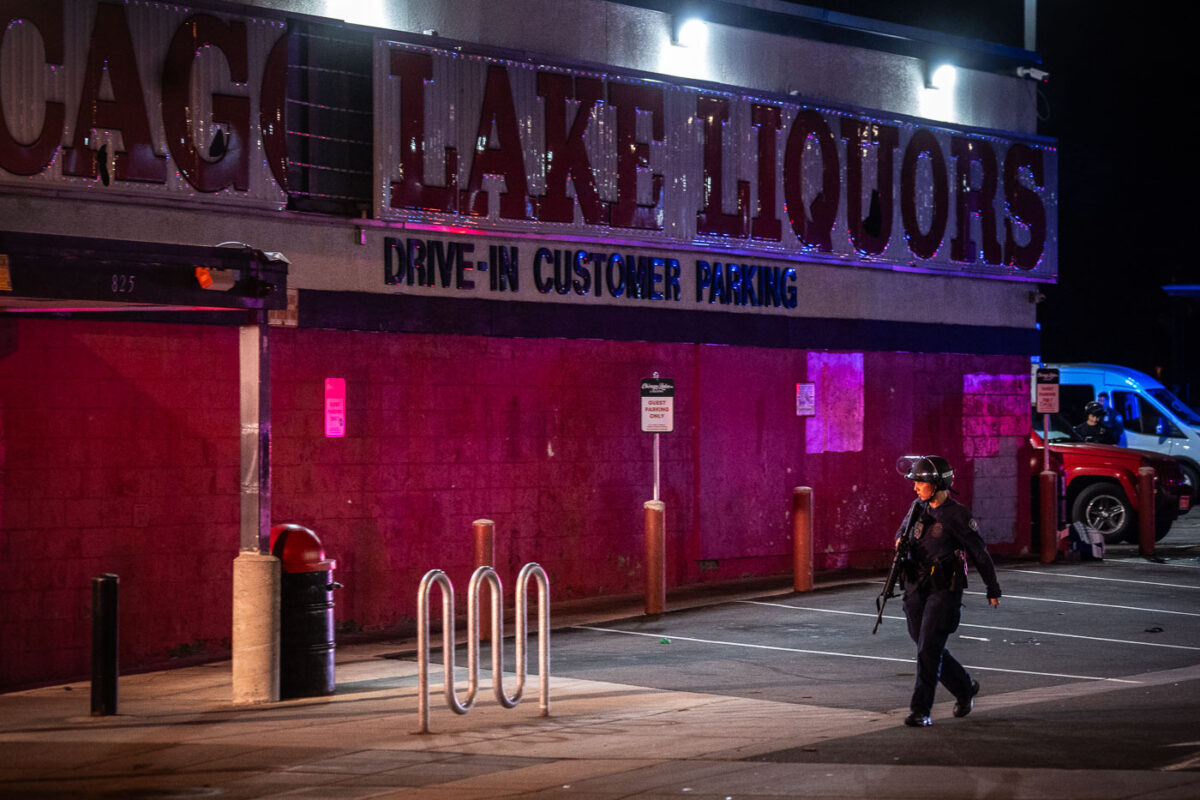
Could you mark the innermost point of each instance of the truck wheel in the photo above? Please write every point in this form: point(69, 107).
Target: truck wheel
point(1104, 507)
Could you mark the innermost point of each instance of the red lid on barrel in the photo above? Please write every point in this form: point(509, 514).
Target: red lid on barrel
point(299, 549)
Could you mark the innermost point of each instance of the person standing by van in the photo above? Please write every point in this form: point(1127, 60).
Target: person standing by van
point(1094, 430)
point(1112, 419)
point(943, 537)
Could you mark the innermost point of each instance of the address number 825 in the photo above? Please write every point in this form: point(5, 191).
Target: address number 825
point(122, 284)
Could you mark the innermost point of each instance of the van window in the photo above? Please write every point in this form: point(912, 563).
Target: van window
point(1142, 417)
point(1072, 397)
point(1176, 406)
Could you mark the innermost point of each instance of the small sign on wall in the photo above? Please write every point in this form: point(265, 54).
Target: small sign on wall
point(806, 399)
point(335, 407)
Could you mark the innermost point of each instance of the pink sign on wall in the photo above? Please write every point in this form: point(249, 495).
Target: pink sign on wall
point(335, 407)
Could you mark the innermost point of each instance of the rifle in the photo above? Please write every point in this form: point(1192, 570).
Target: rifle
point(899, 562)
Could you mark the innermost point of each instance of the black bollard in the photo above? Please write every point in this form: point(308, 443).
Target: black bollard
point(104, 644)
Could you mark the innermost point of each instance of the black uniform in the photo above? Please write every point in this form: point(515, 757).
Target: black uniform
point(933, 596)
point(1100, 433)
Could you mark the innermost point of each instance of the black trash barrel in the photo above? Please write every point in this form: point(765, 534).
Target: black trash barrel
point(306, 643)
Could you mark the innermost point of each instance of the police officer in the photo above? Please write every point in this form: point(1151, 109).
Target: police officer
point(1094, 430)
point(1113, 420)
point(944, 532)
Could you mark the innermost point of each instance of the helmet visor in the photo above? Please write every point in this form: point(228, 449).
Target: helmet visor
point(905, 464)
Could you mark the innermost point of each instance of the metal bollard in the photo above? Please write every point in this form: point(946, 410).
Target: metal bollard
point(1049, 516)
point(802, 539)
point(656, 566)
point(104, 644)
point(485, 548)
point(1146, 522)
point(483, 536)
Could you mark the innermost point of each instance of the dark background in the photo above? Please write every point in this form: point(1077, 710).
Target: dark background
point(1119, 103)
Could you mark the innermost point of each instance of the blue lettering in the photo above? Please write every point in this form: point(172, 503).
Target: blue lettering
point(543, 286)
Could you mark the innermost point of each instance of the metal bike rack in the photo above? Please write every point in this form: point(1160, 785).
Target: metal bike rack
point(438, 578)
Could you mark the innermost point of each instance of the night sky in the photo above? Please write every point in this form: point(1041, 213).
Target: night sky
point(1118, 96)
point(1122, 78)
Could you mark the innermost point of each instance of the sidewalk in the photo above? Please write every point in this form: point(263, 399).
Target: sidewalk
point(178, 735)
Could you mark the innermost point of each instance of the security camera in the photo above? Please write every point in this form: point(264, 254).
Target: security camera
point(1034, 73)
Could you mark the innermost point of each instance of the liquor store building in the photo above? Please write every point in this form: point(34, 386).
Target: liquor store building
point(497, 220)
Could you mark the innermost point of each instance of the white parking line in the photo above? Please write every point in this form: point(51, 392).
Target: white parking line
point(1093, 605)
point(1098, 578)
point(843, 655)
point(1144, 563)
point(984, 627)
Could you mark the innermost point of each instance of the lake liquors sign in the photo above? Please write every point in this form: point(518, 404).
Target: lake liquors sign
point(186, 106)
point(482, 143)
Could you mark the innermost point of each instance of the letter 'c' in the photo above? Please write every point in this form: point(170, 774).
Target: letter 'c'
point(47, 17)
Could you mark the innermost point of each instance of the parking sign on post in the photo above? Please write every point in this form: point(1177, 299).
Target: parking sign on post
point(658, 405)
point(658, 416)
point(1047, 390)
point(658, 413)
point(1047, 404)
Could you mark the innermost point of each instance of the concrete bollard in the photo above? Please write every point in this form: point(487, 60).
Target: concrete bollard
point(256, 586)
point(802, 539)
point(656, 565)
point(1049, 516)
point(1146, 522)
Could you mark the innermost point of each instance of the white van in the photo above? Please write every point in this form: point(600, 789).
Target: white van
point(1152, 418)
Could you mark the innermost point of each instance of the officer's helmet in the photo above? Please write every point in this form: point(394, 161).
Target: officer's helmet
point(1094, 409)
point(934, 470)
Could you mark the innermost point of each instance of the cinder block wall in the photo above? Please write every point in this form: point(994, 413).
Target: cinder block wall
point(119, 453)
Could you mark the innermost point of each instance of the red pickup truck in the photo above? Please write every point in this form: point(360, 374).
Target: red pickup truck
point(1101, 482)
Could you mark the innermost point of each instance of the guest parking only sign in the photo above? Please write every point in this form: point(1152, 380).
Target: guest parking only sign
point(658, 405)
point(1047, 390)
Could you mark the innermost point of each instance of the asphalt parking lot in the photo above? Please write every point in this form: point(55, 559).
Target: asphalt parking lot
point(1092, 665)
point(1090, 677)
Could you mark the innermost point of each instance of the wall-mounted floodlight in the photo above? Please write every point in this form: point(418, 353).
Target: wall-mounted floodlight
point(686, 52)
point(359, 12)
point(688, 31)
point(938, 100)
point(940, 76)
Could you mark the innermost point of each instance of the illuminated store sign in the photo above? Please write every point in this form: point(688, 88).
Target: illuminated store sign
point(142, 99)
point(151, 99)
point(470, 141)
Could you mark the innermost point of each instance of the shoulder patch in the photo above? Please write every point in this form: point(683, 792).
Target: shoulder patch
point(973, 525)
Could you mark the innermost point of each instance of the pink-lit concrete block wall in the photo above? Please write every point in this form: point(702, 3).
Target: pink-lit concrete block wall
point(116, 458)
point(120, 454)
